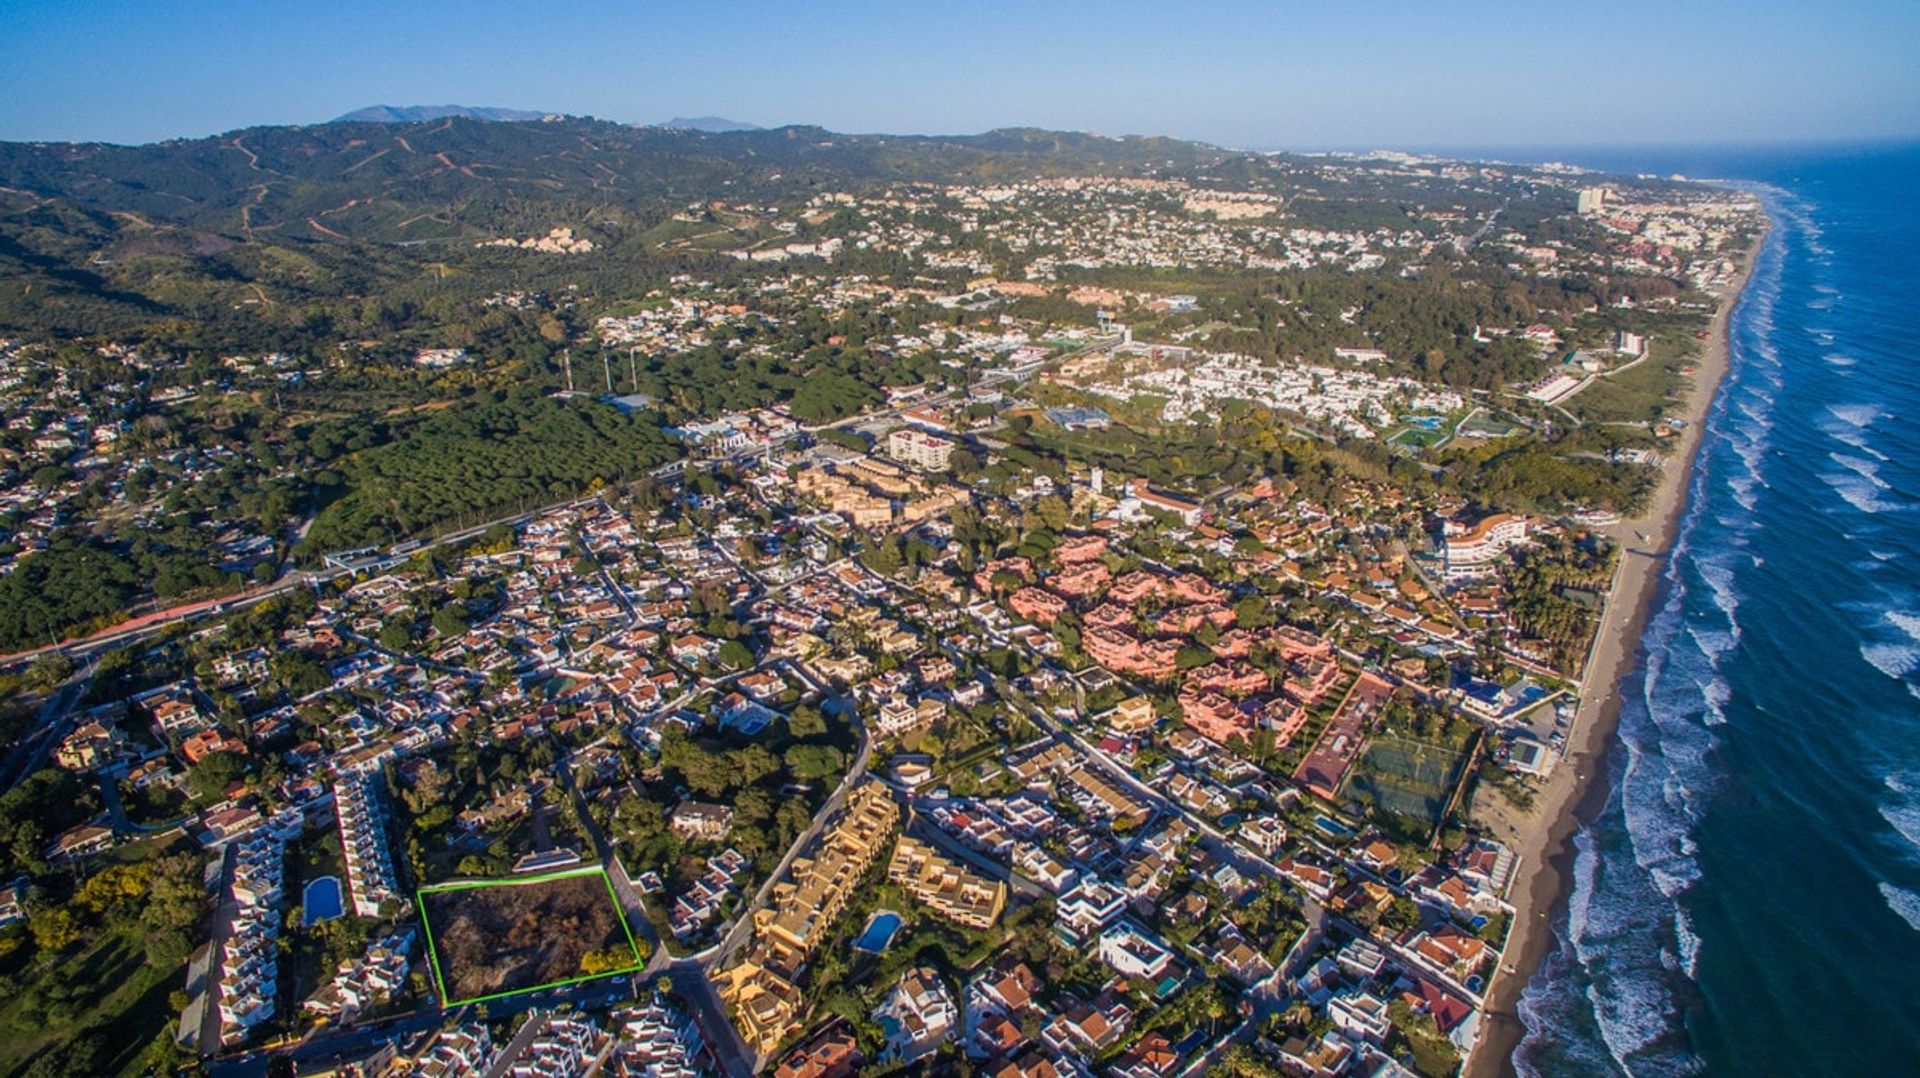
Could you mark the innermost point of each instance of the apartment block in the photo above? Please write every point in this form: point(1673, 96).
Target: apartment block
point(942, 885)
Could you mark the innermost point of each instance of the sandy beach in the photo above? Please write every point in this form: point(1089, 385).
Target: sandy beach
point(1542, 836)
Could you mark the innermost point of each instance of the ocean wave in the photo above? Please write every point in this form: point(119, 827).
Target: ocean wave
point(1687, 942)
point(1860, 493)
point(1903, 902)
point(1751, 448)
point(1718, 694)
point(1866, 469)
point(1903, 815)
point(1726, 599)
point(1894, 660)
point(1586, 868)
point(1906, 622)
point(1849, 435)
point(1667, 734)
point(1856, 415)
point(1621, 937)
point(1715, 644)
point(1754, 411)
point(1839, 359)
point(1561, 1037)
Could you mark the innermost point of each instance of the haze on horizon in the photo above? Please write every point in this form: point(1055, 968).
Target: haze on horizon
point(1235, 72)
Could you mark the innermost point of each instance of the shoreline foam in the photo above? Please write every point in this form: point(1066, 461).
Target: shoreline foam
point(1543, 837)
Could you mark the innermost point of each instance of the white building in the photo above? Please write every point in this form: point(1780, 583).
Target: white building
point(1360, 1015)
point(656, 1040)
point(464, 1051)
point(1468, 550)
point(925, 451)
point(1131, 952)
point(1088, 909)
point(918, 1016)
point(363, 842)
point(250, 953)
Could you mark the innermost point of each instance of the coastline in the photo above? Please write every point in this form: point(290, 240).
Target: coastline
point(1542, 837)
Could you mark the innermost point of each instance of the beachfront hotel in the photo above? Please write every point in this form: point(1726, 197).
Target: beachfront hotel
point(1469, 550)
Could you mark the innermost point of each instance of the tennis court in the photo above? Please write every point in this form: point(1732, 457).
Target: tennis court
point(1407, 778)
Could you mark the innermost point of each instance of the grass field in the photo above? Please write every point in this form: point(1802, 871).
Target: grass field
point(105, 1002)
point(1650, 389)
point(1416, 438)
point(493, 938)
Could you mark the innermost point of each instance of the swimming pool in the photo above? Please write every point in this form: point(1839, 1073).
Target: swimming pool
point(878, 935)
point(321, 901)
point(1332, 827)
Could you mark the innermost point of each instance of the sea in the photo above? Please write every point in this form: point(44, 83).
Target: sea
point(1747, 899)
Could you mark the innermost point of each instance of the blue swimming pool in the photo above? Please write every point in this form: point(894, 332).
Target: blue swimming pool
point(322, 901)
point(1332, 827)
point(878, 934)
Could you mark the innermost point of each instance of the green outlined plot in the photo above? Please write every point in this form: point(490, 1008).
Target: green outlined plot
point(489, 939)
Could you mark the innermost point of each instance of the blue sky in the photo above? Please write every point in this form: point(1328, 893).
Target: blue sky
point(1301, 75)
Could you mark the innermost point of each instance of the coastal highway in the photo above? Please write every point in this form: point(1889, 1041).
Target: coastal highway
point(146, 625)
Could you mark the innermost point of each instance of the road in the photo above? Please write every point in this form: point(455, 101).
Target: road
point(50, 727)
point(151, 624)
point(689, 974)
point(1468, 244)
point(743, 926)
point(332, 1047)
point(623, 887)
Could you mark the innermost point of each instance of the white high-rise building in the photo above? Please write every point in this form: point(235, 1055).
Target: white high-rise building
point(925, 451)
point(1592, 199)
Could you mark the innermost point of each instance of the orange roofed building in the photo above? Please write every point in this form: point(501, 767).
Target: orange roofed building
point(1124, 654)
point(1079, 549)
point(1037, 605)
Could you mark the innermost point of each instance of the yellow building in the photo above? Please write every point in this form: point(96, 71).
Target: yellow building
point(759, 990)
point(765, 1006)
point(805, 905)
point(1133, 715)
point(945, 887)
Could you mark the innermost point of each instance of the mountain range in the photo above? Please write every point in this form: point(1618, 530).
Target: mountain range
point(716, 124)
point(456, 176)
point(413, 114)
point(94, 237)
